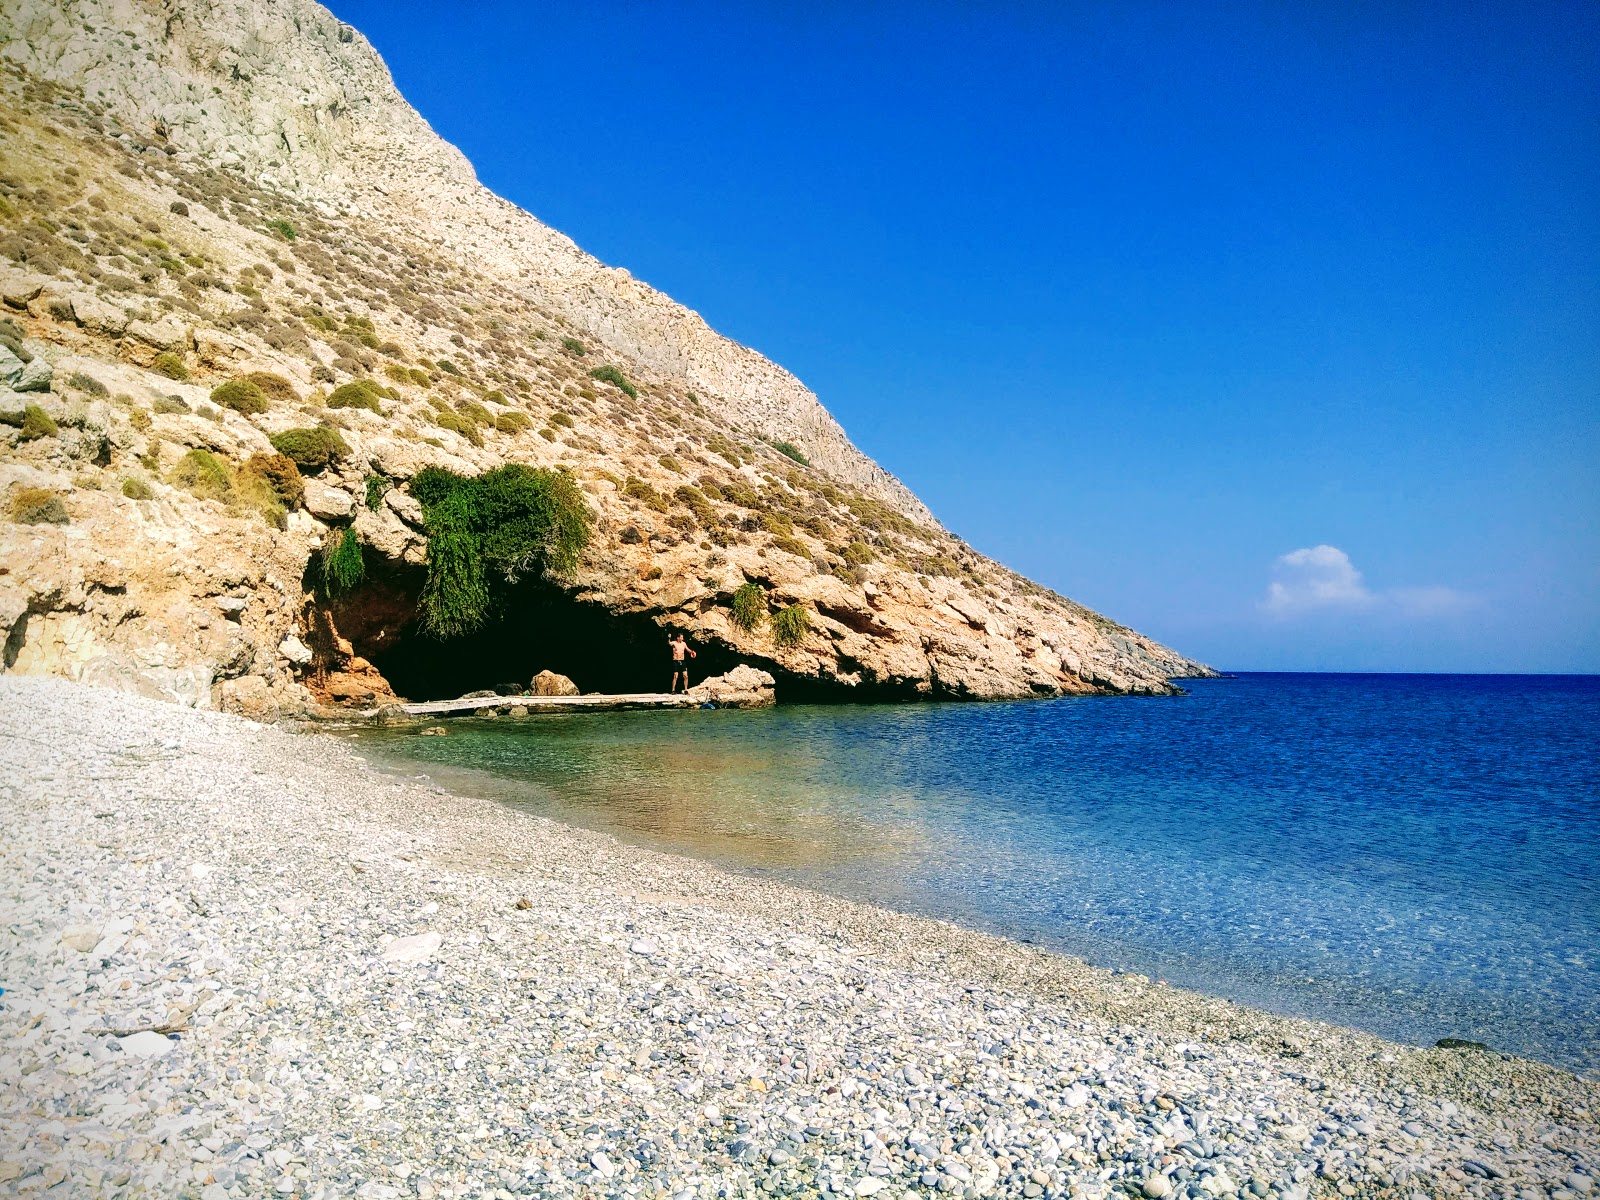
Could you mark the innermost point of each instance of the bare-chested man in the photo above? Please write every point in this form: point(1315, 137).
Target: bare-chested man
point(680, 661)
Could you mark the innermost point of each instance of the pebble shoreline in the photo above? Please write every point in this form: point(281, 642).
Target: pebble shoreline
point(237, 962)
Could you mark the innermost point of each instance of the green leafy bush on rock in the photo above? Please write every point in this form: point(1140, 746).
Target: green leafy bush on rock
point(486, 532)
point(610, 374)
point(276, 388)
point(171, 365)
point(38, 506)
point(203, 474)
point(311, 449)
point(36, 423)
point(241, 395)
point(358, 393)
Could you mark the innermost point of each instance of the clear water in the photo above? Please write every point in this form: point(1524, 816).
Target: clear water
point(1414, 855)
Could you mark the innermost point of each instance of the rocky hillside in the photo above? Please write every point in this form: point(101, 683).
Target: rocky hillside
point(249, 296)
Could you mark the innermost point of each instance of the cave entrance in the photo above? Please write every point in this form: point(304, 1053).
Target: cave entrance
point(541, 629)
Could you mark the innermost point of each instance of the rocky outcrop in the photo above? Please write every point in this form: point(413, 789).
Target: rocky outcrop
point(742, 687)
point(211, 188)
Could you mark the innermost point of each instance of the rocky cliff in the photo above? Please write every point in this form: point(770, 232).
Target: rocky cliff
point(200, 193)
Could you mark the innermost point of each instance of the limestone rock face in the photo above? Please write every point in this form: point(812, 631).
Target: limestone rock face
point(210, 188)
point(548, 683)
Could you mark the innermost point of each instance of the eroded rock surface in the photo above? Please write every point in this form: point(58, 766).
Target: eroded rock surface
point(213, 189)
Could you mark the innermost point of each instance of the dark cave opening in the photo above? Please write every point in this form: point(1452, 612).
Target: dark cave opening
point(540, 628)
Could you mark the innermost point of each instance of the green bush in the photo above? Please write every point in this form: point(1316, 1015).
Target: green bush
point(449, 367)
point(472, 411)
point(858, 554)
point(311, 449)
point(36, 423)
point(790, 450)
point(171, 365)
point(790, 625)
point(342, 564)
point(573, 346)
point(283, 229)
point(38, 506)
point(611, 375)
point(377, 485)
point(562, 419)
point(276, 388)
point(513, 422)
point(137, 489)
point(280, 473)
point(792, 546)
point(486, 532)
point(240, 395)
point(203, 474)
point(358, 393)
point(749, 606)
point(456, 423)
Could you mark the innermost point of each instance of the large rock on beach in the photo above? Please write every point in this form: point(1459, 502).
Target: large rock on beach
point(548, 683)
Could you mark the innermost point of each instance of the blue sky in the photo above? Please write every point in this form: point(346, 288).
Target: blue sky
point(1270, 330)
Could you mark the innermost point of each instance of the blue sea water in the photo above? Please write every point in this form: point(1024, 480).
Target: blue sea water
point(1414, 855)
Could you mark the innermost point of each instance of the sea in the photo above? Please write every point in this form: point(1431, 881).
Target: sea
point(1413, 855)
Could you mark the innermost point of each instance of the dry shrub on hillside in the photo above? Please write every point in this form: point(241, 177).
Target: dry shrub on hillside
point(38, 506)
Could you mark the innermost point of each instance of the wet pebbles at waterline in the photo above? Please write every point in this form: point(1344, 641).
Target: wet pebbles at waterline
point(237, 963)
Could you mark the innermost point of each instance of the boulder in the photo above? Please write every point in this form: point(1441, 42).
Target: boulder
point(742, 687)
point(168, 333)
point(295, 651)
point(97, 315)
point(548, 683)
point(328, 503)
point(19, 287)
point(218, 348)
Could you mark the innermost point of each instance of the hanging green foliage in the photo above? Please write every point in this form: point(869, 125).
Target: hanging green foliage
point(486, 532)
point(342, 565)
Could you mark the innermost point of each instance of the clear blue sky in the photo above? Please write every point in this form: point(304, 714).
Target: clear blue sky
point(1272, 330)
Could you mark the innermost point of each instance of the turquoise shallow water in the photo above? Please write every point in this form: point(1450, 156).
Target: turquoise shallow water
point(1414, 855)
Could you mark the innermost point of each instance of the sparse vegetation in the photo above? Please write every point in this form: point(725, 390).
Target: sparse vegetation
point(377, 485)
point(87, 384)
point(790, 625)
point(135, 488)
point(283, 229)
point(487, 532)
point(38, 506)
point(573, 346)
point(749, 606)
point(857, 554)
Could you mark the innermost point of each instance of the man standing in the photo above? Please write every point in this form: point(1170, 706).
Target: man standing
point(680, 661)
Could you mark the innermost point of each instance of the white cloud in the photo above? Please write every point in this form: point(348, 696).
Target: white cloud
point(1316, 577)
point(1323, 579)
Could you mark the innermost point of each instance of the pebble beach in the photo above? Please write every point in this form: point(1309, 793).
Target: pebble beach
point(239, 962)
